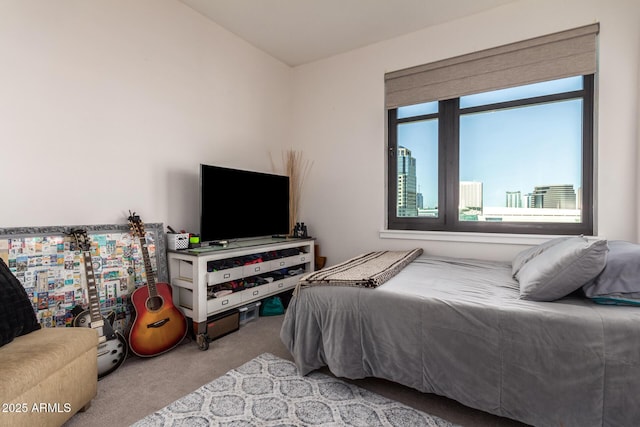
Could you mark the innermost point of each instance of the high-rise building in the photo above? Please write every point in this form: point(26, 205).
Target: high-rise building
point(407, 183)
point(553, 197)
point(514, 199)
point(470, 195)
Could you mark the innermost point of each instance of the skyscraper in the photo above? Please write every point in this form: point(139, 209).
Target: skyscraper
point(514, 199)
point(554, 197)
point(470, 195)
point(407, 183)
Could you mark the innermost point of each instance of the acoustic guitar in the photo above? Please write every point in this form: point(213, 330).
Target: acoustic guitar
point(159, 326)
point(112, 345)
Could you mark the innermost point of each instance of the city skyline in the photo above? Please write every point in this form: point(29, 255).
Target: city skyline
point(471, 194)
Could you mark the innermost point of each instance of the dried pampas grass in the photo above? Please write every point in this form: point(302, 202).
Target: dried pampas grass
point(296, 168)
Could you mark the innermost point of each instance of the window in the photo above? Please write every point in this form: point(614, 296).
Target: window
point(517, 160)
point(497, 141)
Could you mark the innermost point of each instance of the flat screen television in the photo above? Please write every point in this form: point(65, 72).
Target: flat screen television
point(240, 204)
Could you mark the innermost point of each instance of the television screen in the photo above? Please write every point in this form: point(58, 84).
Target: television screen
point(237, 204)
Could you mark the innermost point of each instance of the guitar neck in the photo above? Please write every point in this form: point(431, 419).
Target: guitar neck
point(94, 299)
point(151, 281)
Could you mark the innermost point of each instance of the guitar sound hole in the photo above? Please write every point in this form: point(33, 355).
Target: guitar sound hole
point(154, 303)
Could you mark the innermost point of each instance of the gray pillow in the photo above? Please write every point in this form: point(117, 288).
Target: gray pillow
point(562, 269)
point(528, 254)
point(620, 280)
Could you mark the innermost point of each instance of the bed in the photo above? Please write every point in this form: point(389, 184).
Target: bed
point(460, 328)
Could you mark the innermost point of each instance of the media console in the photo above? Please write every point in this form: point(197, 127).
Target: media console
point(214, 279)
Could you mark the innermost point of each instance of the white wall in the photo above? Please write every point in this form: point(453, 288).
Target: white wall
point(339, 121)
point(107, 106)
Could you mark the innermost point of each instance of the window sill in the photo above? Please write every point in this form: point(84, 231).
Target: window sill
point(461, 237)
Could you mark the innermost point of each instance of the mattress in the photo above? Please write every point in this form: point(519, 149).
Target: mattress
point(457, 328)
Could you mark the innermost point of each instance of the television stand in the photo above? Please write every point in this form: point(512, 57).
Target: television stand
point(202, 277)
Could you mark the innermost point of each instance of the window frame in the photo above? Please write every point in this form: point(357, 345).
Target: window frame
point(448, 116)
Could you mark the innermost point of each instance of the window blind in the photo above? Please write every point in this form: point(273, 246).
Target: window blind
point(554, 56)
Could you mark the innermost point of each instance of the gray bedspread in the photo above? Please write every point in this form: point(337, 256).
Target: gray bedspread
point(456, 327)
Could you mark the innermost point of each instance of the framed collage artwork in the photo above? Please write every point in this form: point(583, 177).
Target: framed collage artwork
point(48, 263)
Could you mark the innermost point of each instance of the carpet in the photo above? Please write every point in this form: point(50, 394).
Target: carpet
point(268, 391)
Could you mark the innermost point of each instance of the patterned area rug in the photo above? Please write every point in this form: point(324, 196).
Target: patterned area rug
point(267, 391)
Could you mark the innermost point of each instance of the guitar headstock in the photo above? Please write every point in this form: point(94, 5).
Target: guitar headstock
point(136, 225)
point(81, 239)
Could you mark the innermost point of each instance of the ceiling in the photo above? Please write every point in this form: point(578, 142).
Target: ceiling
point(301, 31)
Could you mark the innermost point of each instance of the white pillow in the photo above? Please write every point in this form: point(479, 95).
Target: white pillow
point(561, 269)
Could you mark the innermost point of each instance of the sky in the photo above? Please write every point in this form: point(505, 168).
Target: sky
point(508, 150)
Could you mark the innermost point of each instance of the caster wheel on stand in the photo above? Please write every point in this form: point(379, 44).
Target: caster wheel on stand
point(203, 342)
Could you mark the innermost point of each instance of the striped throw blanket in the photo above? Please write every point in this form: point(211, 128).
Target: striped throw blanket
point(368, 270)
